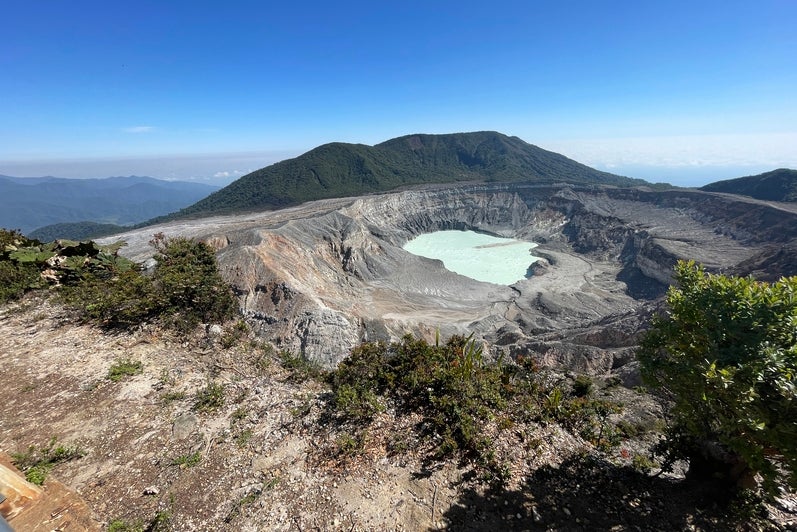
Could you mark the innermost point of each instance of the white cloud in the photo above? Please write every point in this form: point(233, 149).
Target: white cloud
point(139, 129)
point(687, 151)
point(229, 173)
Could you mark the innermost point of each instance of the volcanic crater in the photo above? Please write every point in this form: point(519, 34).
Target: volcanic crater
point(322, 277)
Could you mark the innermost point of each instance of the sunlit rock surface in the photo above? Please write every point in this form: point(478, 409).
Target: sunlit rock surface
point(322, 277)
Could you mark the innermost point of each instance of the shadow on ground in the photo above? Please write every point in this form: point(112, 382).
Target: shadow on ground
point(588, 494)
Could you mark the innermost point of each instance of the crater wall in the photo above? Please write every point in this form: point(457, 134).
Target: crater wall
point(320, 278)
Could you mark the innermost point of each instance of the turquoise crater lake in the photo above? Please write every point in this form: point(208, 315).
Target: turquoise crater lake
point(479, 256)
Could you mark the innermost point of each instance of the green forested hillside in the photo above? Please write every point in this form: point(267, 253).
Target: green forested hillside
point(339, 169)
point(777, 185)
point(75, 231)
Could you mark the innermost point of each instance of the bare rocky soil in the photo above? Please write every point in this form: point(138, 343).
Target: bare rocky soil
point(268, 460)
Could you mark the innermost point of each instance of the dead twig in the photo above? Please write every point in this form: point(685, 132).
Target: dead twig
point(434, 503)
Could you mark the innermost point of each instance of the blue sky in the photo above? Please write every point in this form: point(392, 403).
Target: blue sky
point(686, 92)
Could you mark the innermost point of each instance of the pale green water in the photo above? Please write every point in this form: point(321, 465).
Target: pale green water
point(476, 255)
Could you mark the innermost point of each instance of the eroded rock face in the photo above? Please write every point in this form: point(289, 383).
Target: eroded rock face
point(320, 278)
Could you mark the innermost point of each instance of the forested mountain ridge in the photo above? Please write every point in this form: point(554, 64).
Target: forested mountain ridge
point(75, 231)
point(340, 169)
point(777, 185)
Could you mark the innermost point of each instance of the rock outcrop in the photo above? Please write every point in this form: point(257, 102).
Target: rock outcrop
point(324, 276)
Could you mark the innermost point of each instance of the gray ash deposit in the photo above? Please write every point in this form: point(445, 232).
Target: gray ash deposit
point(324, 276)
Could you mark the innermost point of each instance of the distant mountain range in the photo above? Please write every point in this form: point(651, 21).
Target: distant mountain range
point(339, 170)
point(48, 207)
point(28, 203)
point(777, 185)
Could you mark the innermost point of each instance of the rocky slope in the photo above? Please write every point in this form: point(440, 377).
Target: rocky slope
point(265, 457)
point(322, 277)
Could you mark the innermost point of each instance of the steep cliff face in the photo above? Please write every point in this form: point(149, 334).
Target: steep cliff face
point(320, 278)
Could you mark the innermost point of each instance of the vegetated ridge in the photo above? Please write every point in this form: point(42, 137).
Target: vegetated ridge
point(340, 170)
point(31, 203)
point(75, 231)
point(777, 185)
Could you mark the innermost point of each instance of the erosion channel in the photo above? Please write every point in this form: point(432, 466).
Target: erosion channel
point(324, 276)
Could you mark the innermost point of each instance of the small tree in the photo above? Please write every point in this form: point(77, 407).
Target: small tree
point(725, 354)
point(188, 281)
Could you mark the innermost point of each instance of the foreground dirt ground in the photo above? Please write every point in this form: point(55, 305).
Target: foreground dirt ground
point(155, 455)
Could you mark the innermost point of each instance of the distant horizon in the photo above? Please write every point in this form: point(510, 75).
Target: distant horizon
point(687, 92)
point(221, 169)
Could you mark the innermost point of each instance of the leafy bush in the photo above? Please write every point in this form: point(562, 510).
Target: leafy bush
point(124, 368)
point(188, 282)
point(582, 386)
point(726, 355)
point(239, 505)
point(27, 264)
point(185, 289)
point(121, 525)
point(449, 383)
point(16, 277)
point(125, 300)
point(300, 368)
point(186, 461)
point(209, 398)
point(458, 395)
point(233, 335)
point(161, 521)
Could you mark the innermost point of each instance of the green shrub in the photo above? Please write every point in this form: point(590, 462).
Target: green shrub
point(121, 525)
point(457, 394)
point(184, 290)
point(589, 418)
point(124, 368)
point(17, 276)
point(239, 415)
point(169, 397)
point(188, 460)
point(642, 463)
point(351, 444)
point(243, 437)
point(161, 522)
point(357, 402)
point(449, 384)
point(16, 279)
point(27, 264)
point(300, 368)
point(36, 463)
point(210, 398)
point(582, 386)
point(233, 335)
point(38, 474)
point(239, 505)
point(725, 354)
point(125, 300)
point(188, 282)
